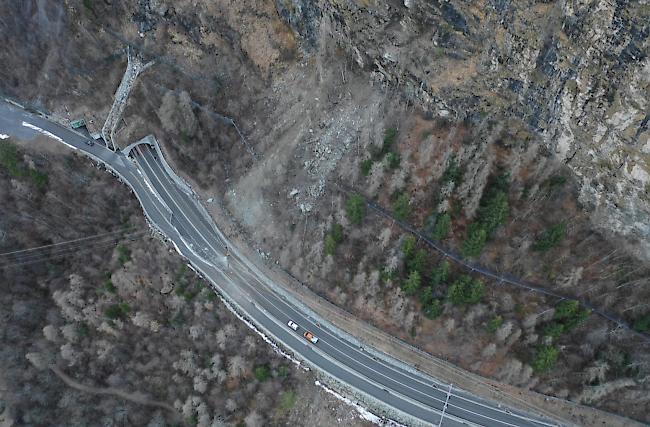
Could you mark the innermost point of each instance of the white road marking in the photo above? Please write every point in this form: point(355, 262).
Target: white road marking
point(144, 155)
point(406, 374)
point(49, 134)
point(419, 403)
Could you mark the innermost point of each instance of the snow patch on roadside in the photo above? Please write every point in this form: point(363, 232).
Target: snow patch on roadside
point(194, 269)
point(266, 339)
point(151, 189)
point(190, 248)
point(49, 134)
point(232, 309)
point(363, 412)
point(175, 246)
point(14, 103)
point(4, 136)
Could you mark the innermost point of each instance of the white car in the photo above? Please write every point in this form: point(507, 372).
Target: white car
point(293, 325)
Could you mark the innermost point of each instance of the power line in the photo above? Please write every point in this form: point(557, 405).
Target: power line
point(59, 250)
point(58, 256)
point(77, 245)
point(36, 258)
point(63, 243)
point(503, 278)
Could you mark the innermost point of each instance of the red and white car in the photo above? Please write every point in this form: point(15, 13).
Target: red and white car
point(310, 337)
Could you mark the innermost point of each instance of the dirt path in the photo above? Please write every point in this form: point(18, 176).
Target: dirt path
point(137, 397)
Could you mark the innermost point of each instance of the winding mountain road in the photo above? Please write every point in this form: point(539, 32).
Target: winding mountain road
point(385, 384)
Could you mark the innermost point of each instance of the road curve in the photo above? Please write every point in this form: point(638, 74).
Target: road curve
point(404, 394)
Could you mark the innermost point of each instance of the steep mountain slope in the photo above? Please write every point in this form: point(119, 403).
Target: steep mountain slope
point(514, 134)
point(113, 328)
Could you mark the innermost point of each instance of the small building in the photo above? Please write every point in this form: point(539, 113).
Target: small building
point(76, 124)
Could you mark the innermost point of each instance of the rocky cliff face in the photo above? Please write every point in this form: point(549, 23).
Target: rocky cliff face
point(575, 74)
point(550, 95)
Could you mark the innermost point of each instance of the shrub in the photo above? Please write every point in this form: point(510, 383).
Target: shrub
point(366, 166)
point(417, 262)
point(408, 246)
point(401, 207)
point(642, 324)
point(545, 359)
point(185, 137)
point(178, 319)
point(209, 294)
point(287, 400)
point(117, 311)
point(179, 275)
point(475, 240)
point(465, 290)
point(550, 238)
point(123, 254)
point(426, 296)
point(262, 373)
point(110, 287)
point(566, 309)
point(440, 273)
point(333, 238)
point(39, 179)
point(570, 314)
point(83, 330)
point(453, 172)
point(389, 138)
point(501, 183)
point(187, 291)
point(442, 226)
point(386, 275)
point(330, 244)
point(9, 159)
point(494, 323)
point(412, 283)
point(337, 232)
point(392, 160)
point(556, 181)
point(494, 211)
point(554, 330)
point(619, 362)
point(283, 371)
point(456, 209)
point(433, 309)
point(355, 208)
point(190, 294)
point(217, 85)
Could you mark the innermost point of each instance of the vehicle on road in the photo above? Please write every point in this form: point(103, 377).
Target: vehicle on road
point(89, 142)
point(293, 325)
point(403, 398)
point(310, 337)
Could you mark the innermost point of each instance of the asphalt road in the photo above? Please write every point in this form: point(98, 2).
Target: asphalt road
point(179, 217)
